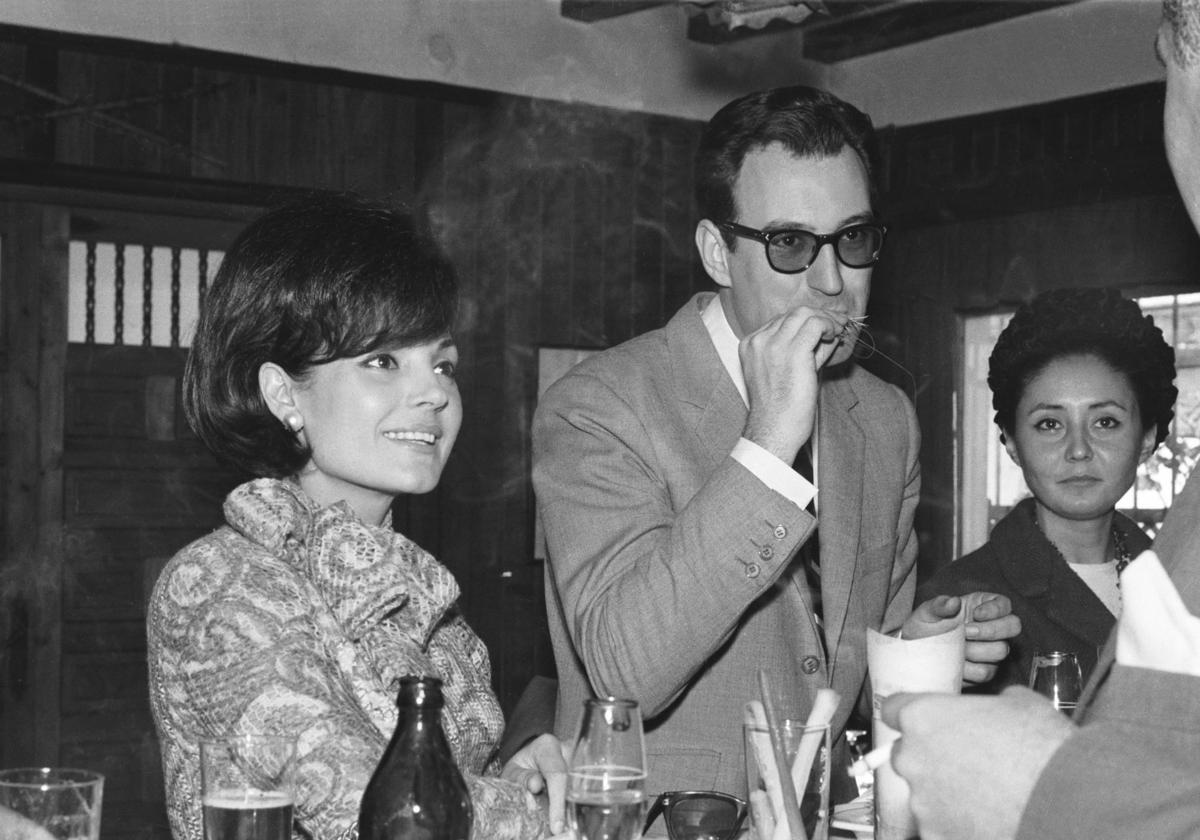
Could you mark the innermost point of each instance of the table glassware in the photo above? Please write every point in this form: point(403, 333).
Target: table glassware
point(606, 788)
point(246, 785)
point(1056, 675)
point(64, 801)
point(807, 753)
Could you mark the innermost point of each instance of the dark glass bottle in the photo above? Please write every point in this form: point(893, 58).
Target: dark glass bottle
point(416, 791)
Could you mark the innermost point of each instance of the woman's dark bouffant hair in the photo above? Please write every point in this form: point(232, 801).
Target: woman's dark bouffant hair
point(807, 121)
point(1072, 322)
point(322, 278)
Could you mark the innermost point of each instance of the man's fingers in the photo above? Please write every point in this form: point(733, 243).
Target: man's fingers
point(986, 606)
point(893, 705)
point(556, 789)
point(986, 652)
point(977, 673)
point(994, 630)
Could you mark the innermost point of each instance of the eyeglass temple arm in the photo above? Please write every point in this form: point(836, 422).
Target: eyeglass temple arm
point(654, 811)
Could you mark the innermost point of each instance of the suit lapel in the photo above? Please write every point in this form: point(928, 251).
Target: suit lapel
point(702, 386)
point(1035, 570)
point(840, 474)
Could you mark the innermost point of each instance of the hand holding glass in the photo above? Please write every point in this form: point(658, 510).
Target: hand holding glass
point(1056, 675)
point(606, 793)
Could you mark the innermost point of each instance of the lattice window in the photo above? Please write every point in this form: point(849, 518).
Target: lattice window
point(141, 295)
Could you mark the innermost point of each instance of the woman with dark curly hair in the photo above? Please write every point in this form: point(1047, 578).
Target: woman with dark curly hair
point(1082, 387)
point(324, 365)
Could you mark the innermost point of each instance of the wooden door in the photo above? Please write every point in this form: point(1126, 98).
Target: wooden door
point(103, 483)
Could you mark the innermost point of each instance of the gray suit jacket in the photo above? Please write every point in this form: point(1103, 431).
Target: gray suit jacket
point(671, 577)
point(1132, 769)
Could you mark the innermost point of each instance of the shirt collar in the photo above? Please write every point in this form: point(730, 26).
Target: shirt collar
point(726, 342)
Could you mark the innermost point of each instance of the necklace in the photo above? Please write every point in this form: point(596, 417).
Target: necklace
point(1120, 549)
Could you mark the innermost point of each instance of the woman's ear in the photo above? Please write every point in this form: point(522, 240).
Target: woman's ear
point(1149, 443)
point(1010, 447)
point(714, 253)
point(278, 391)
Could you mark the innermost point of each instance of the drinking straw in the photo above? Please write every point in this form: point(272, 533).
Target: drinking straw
point(824, 705)
point(764, 757)
point(791, 807)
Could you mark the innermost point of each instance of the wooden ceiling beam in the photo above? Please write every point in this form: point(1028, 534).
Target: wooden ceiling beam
point(871, 28)
point(590, 11)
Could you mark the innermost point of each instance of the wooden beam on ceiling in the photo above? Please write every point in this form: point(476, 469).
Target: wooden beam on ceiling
point(856, 29)
point(590, 11)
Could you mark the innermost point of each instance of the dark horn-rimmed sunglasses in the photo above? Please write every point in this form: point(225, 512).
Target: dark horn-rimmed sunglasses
point(698, 814)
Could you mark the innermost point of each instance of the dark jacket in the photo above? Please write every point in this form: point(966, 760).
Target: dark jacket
point(1058, 611)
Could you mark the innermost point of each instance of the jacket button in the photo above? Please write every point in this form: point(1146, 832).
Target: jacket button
point(752, 570)
point(766, 552)
point(780, 531)
point(809, 665)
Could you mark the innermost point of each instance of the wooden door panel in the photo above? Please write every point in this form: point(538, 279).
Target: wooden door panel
point(137, 486)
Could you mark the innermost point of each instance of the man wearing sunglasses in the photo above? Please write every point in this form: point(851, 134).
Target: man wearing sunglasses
point(731, 492)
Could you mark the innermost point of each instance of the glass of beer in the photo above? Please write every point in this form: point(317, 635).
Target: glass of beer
point(246, 784)
point(606, 786)
point(63, 801)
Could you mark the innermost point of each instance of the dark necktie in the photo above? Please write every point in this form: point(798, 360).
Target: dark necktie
point(810, 552)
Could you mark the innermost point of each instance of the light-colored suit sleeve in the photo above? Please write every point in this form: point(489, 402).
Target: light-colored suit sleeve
point(1132, 772)
point(649, 592)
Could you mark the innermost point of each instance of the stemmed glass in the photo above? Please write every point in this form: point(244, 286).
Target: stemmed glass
point(1057, 675)
point(606, 792)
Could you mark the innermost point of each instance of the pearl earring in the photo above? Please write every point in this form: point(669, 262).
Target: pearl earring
point(294, 421)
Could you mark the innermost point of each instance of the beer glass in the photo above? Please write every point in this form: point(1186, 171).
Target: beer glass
point(246, 784)
point(606, 785)
point(64, 802)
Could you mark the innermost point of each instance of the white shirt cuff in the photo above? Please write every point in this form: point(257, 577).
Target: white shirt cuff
point(774, 473)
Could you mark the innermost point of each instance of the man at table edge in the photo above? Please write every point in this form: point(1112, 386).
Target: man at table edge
point(676, 511)
point(1128, 766)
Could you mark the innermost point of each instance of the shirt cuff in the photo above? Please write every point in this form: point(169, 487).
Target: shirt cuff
point(774, 473)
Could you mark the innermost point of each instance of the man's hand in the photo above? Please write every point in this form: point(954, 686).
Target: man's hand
point(780, 361)
point(972, 761)
point(13, 826)
point(989, 621)
point(541, 767)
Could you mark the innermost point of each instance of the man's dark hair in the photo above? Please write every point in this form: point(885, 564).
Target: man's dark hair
point(325, 277)
point(806, 121)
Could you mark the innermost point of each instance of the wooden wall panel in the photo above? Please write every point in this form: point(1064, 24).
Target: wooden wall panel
point(33, 294)
point(130, 502)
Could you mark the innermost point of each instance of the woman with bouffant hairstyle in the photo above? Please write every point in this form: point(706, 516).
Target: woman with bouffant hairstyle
point(1082, 386)
point(324, 364)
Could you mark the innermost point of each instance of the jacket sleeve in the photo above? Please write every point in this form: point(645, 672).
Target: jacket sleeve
point(651, 585)
point(1132, 770)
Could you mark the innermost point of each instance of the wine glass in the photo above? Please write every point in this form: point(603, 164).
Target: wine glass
point(606, 793)
point(1056, 675)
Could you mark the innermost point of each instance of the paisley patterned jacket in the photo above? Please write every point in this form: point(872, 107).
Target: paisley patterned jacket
point(299, 619)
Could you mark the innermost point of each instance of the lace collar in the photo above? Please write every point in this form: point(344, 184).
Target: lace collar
point(364, 573)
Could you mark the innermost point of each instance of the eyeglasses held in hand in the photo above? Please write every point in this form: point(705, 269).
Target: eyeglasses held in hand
point(698, 814)
point(793, 251)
